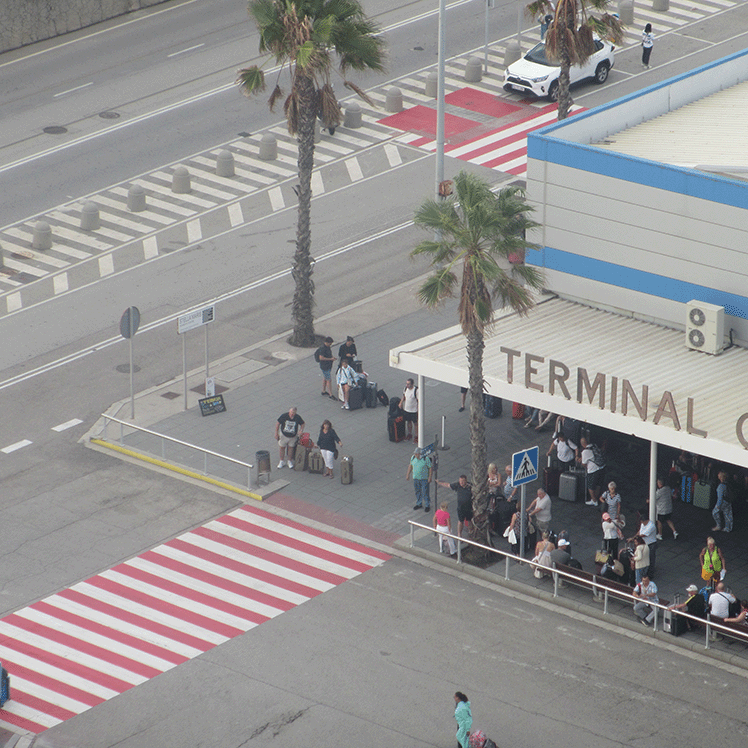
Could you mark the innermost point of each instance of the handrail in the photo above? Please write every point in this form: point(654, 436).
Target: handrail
point(593, 585)
point(174, 440)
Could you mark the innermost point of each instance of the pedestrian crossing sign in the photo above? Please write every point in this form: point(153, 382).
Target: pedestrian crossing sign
point(525, 466)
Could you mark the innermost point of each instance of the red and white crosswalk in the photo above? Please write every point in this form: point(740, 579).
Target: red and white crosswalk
point(98, 638)
point(502, 148)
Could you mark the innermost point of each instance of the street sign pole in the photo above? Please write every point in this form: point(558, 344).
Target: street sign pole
point(524, 470)
point(128, 326)
point(132, 381)
point(523, 505)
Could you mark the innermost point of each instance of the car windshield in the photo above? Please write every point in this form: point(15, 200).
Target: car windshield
point(537, 55)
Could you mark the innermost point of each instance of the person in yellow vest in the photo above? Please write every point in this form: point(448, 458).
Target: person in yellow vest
point(712, 562)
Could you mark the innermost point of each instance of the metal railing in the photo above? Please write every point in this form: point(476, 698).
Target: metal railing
point(600, 589)
point(164, 438)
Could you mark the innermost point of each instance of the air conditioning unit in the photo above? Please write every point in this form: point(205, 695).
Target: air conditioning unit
point(705, 327)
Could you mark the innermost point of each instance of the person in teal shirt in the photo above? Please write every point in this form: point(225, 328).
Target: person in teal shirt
point(420, 468)
point(464, 718)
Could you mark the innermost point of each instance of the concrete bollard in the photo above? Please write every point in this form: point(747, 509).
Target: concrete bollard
point(661, 5)
point(136, 198)
point(474, 70)
point(90, 220)
point(431, 89)
point(626, 12)
point(353, 115)
point(512, 52)
point(181, 181)
point(394, 101)
point(42, 236)
point(268, 147)
point(225, 164)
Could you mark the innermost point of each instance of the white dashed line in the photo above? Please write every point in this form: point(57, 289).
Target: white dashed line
point(318, 186)
point(150, 247)
point(354, 169)
point(60, 283)
point(276, 198)
point(14, 302)
point(106, 265)
point(67, 425)
point(17, 445)
point(236, 216)
point(194, 231)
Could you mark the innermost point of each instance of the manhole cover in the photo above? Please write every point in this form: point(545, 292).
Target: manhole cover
point(109, 115)
point(55, 130)
point(170, 395)
point(418, 49)
point(125, 368)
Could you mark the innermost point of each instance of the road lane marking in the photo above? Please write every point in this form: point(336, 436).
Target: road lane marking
point(67, 425)
point(194, 231)
point(18, 445)
point(106, 265)
point(70, 90)
point(354, 169)
point(276, 199)
point(150, 247)
point(14, 301)
point(60, 283)
point(188, 49)
point(393, 154)
point(236, 217)
point(318, 186)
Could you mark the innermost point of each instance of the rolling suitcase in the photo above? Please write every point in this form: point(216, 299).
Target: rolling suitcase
point(672, 623)
point(568, 486)
point(4, 685)
point(316, 462)
point(551, 478)
point(701, 494)
point(370, 395)
point(686, 487)
point(358, 365)
point(396, 428)
point(346, 470)
point(356, 398)
point(301, 458)
point(518, 410)
point(491, 406)
point(382, 397)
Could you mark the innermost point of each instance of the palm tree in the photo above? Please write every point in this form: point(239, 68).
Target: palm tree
point(303, 37)
point(570, 37)
point(476, 230)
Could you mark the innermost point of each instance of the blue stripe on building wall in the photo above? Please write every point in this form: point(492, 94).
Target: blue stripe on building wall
point(636, 280)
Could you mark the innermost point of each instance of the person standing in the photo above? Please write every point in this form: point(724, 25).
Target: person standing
point(648, 531)
point(592, 459)
point(463, 395)
point(409, 405)
point(646, 594)
point(346, 379)
point(566, 451)
point(326, 359)
point(647, 44)
point(612, 500)
point(464, 718)
point(326, 442)
point(442, 524)
point(641, 558)
point(664, 506)
point(287, 429)
point(510, 490)
point(723, 507)
point(611, 535)
point(539, 511)
point(347, 350)
point(420, 468)
point(464, 491)
point(712, 562)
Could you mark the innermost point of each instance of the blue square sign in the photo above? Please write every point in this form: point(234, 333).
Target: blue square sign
point(525, 466)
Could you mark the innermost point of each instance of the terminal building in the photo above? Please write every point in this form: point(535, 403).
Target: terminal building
point(643, 238)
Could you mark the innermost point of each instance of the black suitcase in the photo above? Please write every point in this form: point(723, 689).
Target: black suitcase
point(382, 397)
point(395, 407)
point(396, 428)
point(492, 406)
point(370, 395)
point(672, 623)
point(358, 365)
point(355, 398)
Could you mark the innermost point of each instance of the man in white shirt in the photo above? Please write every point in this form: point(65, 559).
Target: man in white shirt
point(719, 601)
point(409, 404)
point(566, 451)
point(540, 510)
point(646, 593)
point(595, 472)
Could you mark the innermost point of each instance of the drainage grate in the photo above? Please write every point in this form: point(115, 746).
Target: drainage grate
point(170, 395)
point(125, 368)
point(55, 130)
point(109, 115)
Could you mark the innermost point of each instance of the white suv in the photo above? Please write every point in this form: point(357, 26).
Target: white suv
point(533, 74)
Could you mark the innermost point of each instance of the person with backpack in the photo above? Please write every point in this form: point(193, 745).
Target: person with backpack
point(409, 405)
point(723, 507)
point(592, 459)
point(323, 356)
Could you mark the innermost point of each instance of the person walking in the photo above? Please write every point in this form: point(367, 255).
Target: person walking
point(420, 468)
point(664, 507)
point(409, 405)
point(442, 524)
point(323, 355)
point(287, 429)
point(647, 44)
point(326, 442)
point(723, 508)
point(464, 719)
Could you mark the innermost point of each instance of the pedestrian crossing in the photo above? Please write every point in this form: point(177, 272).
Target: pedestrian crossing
point(103, 636)
point(260, 187)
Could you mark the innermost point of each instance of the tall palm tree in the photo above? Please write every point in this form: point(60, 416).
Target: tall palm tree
point(304, 37)
point(570, 37)
point(476, 230)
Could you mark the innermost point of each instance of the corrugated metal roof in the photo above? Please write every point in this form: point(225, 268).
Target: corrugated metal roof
point(710, 134)
point(617, 346)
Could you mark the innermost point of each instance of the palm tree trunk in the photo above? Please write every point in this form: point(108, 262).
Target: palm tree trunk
point(475, 346)
point(564, 95)
point(303, 298)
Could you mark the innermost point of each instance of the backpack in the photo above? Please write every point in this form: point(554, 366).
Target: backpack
point(733, 609)
point(597, 455)
point(318, 354)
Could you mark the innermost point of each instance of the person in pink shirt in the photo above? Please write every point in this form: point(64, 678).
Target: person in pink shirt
point(443, 523)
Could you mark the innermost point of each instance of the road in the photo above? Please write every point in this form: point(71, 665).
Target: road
point(58, 364)
point(376, 660)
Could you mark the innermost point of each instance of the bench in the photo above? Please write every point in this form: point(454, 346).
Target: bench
point(736, 630)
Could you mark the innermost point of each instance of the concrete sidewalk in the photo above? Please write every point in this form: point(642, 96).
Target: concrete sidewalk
point(262, 382)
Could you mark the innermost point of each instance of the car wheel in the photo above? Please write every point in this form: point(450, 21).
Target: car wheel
point(508, 88)
point(553, 91)
point(601, 74)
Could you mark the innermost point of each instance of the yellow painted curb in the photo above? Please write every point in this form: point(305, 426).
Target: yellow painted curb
point(176, 468)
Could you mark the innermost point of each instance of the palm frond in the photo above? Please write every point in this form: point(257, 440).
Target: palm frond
point(360, 92)
point(251, 80)
point(274, 96)
point(437, 287)
point(329, 109)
